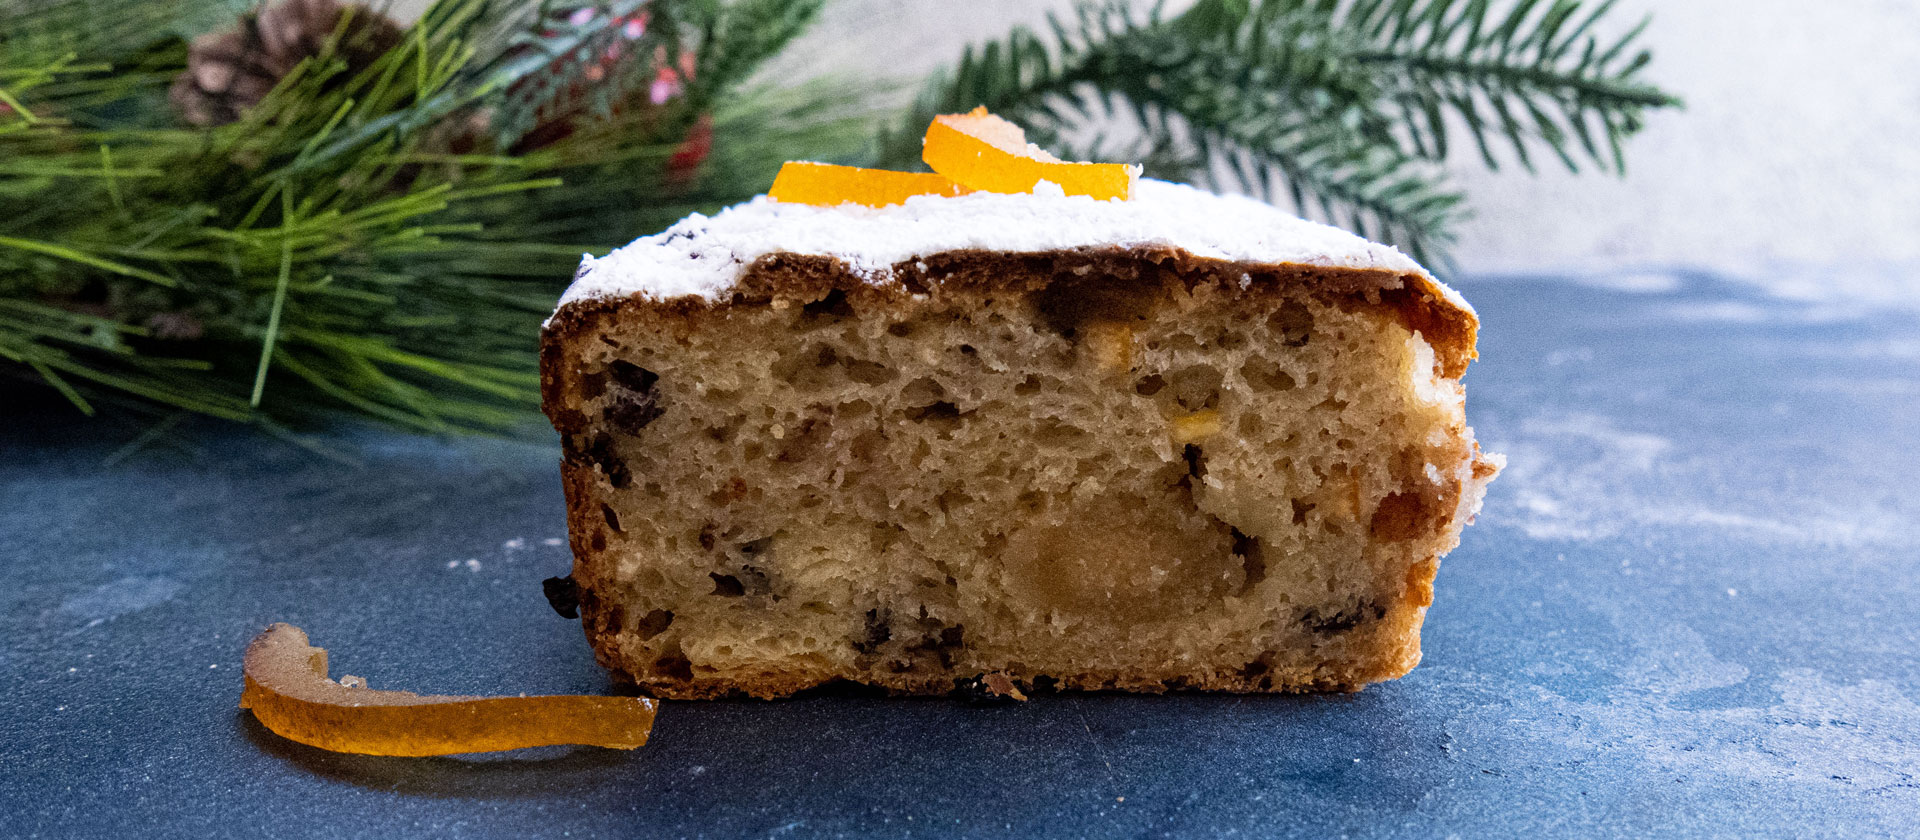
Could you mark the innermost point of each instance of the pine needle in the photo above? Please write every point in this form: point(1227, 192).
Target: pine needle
point(74, 255)
point(279, 304)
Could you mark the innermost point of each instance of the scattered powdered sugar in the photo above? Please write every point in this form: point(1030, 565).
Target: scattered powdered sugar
point(1582, 477)
point(705, 256)
point(124, 596)
point(1799, 728)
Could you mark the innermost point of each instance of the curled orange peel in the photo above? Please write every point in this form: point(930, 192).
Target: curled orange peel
point(288, 690)
point(802, 182)
point(984, 152)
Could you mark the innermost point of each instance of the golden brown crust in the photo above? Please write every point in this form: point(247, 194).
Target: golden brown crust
point(1396, 652)
point(1391, 649)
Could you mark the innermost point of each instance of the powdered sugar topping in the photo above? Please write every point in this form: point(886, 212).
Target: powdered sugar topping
point(705, 256)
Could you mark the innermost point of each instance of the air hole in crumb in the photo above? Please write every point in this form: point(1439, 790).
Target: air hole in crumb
point(674, 665)
point(878, 631)
point(631, 376)
point(901, 330)
point(1054, 433)
point(967, 350)
point(1196, 462)
point(868, 373)
point(834, 305)
point(1253, 560)
point(1300, 511)
point(1402, 516)
point(1072, 301)
point(727, 586)
point(598, 541)
point(1150, 385)
point(754, 581)
point(1328, 622)
point(950, 500)
point(1267, 376)
point(937, 412)
point(1028, 386)
point(653, 624)
point(1196, 388)
point(1292, 323)
point(922, 391)
point(613, 519)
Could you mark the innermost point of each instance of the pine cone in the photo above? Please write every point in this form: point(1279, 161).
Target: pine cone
point(231, 71)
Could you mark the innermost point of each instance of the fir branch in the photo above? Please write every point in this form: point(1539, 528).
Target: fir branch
point(738, 37)
point(1342, 105)
point(574, 57)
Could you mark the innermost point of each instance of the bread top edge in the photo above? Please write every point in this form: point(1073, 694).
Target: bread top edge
point(707, 256)
point(1418, 301)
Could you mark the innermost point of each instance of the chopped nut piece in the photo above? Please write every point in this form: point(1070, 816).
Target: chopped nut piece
point(287, 689)
point(1002, 685)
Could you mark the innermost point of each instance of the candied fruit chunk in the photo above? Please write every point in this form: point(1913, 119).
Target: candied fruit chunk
point(1197, 426)
point(1111, 346)
point(1111, 557)
point(826, 184)
point(287, 689)
point(985, 152)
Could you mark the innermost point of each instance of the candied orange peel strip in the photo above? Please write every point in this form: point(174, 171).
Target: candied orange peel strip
point(288, 690)
point(985, 152)
point(802, 182)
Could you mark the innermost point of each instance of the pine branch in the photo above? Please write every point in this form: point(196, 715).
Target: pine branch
point(326, 254)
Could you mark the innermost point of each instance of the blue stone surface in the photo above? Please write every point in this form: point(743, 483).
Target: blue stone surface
point(1689, 609)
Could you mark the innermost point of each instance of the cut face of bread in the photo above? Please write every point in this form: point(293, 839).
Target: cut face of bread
point(1106, 466)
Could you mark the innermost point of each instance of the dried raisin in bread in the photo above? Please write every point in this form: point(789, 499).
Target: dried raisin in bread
point(1181, 441)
